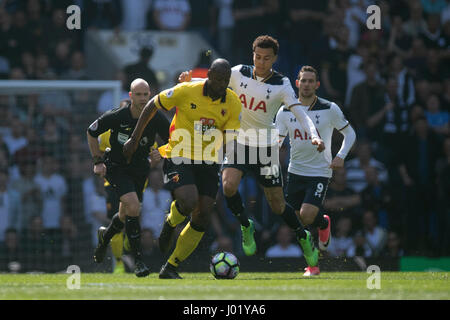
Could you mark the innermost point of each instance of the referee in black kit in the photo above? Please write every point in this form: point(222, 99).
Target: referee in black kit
point(127, 179)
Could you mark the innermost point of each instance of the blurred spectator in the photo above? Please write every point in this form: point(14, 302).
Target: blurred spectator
point(356, 176)
point(148, 243)
point(53, 187)
point(438, 120)
point(221, 244)
point(172, 15)
point(101, 14)
point(340, 199)
point(405, 84)
point(423, 91)
point(10, 252)
point(60, 59)
point(376, 197)
point(224, 25)
point(42, 68)
point(393, 247)
point(355, 18)
point(361, 247)
point(36, 246)
point(68, 242)
point(201, 68)
point(142, 69)
point(29, 193)
point(433, 6)
point(106, 103)
point(375, 235)
point(10, 208)
point(399, 41)
point(432, 31)
point(95, 207)
point(156, 202)
point(433, 71)
point(334, 73)
point(77, 70)
point(16, 139)
point(28, 65)
point(53, 140)
point(341, 244)
point(367, 98)
point(415, 24)
point(419, 155)
point(443, 190)
point(284, 247)
point(134, 14)
point(445, 14)
point(201, 21)
point(356, 69)
point(248, 16)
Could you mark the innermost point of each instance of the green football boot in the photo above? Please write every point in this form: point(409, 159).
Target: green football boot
point(310, 252)
point(248, 241)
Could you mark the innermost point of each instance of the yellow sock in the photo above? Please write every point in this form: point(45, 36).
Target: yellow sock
point(117, 245)
point(175, 217)
point(186, 244)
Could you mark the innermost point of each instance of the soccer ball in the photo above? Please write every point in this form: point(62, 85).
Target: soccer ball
point(224, 265)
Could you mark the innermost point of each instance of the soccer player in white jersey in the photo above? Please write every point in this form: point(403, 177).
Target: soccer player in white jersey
point(262, 91)
point(309, 172)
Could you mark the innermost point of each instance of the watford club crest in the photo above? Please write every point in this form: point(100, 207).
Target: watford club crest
point(223, 112)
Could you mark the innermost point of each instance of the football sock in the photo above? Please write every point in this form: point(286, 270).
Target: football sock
point(114, 227)
point(320, 222)
point(187, 241)
point(117, 245)
point(175, 215)
point(133, 231)
point(237, 208)
point(293, 222)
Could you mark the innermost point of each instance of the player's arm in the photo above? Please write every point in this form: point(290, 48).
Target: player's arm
point(281, 127)
point(349, 139)
point(344, 127)
point(147, 114)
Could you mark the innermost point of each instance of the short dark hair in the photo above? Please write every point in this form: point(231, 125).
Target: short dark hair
point(266, 41)
point(308, 69)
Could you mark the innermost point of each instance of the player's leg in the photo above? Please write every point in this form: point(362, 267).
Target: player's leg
point(180, 181)
point(112, 207)
point(231, 178)
point(277, 203)
point(206, 186)
point(310, 211)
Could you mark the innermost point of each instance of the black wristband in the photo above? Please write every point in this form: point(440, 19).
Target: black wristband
point(98, 159)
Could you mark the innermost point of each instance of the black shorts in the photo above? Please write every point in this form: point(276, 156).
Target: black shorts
point(112, 201)
point(303, 189)
point(248, 160)
point(204, 176)
point(125, 179)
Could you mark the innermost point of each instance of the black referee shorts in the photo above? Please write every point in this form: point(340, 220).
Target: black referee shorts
point(125, 179)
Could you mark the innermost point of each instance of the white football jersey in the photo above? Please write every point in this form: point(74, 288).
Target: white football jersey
point(261, 100)
point(305, 159)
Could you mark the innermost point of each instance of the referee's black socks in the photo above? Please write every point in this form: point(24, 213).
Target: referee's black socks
point(114, 227)
point(133, 231)
point(237, 208)
point(293, 222)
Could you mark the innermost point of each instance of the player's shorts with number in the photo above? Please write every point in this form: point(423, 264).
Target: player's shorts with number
point(257, 161)
point(303, 189)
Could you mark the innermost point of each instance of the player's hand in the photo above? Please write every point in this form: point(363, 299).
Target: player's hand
point(100, 169)
point(319, 143)
point(185, 76)
point(129, 148)
point(155, 158)
point(337, 163)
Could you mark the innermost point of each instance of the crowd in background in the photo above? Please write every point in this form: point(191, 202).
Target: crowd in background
point(393, 84)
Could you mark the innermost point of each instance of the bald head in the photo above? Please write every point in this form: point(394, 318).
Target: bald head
point(218, 78)
point(139, 83)
point(139, 92)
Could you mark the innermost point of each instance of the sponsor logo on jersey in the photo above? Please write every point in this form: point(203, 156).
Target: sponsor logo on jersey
point(251, 104)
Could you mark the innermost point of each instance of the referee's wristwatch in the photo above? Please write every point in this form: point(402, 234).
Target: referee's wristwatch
point(97, 160)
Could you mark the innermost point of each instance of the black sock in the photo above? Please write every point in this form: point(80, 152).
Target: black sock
point(293, 222)
point(320, 222)
point(114, 227)
point(133, 231)
point(237, 208)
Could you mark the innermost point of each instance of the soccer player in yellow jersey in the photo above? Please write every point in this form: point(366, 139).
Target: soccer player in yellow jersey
point(203, 109)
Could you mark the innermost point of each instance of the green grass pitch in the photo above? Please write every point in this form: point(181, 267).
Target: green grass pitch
point(247, 286)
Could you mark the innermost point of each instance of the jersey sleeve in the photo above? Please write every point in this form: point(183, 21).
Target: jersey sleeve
point(235, 76)
point(280, 124)
point(103, 124)
point(288, 95)
point(339, 120)
point(170, 98)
